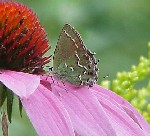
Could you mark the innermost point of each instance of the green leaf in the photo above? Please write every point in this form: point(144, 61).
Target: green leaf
point(20, 107)
point(10, 97)
point(2, 94)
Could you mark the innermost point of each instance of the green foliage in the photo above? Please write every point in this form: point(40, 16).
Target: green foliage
point(126, 83)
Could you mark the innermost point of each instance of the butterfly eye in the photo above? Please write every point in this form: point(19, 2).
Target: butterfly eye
point(90, 82)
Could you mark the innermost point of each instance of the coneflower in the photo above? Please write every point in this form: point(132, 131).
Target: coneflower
point(23, 43)
point(53, 107)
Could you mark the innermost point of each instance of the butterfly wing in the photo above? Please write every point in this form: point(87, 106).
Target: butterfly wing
point(76, 36)
point(88, 60)
point(65, 48)
point(64, 59)
point(73, 62)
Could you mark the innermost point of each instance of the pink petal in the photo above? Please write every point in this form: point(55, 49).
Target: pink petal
point(86, 113)
point(22, 84)
point(125, 119)
point(47, 114)
point(92, 110)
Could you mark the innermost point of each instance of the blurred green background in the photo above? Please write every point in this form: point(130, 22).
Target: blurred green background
point(117, 30)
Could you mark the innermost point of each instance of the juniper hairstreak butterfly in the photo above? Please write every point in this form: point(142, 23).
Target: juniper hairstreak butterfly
point(72, 61)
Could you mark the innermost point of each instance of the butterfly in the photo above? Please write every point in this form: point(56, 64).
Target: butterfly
point(73, 62)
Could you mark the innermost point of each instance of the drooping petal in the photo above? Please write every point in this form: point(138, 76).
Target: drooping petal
point(86, 113)
point(125, 119)
point(97, 111)
point(47, 114)
point(22, 84)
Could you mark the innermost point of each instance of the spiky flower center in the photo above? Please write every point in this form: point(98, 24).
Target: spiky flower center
point(23, 43)
point(23, 40)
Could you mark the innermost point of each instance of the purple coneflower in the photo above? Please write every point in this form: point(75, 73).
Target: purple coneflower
point(53, 108)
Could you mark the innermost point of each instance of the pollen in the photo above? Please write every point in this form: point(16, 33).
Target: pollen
point(23, 41)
